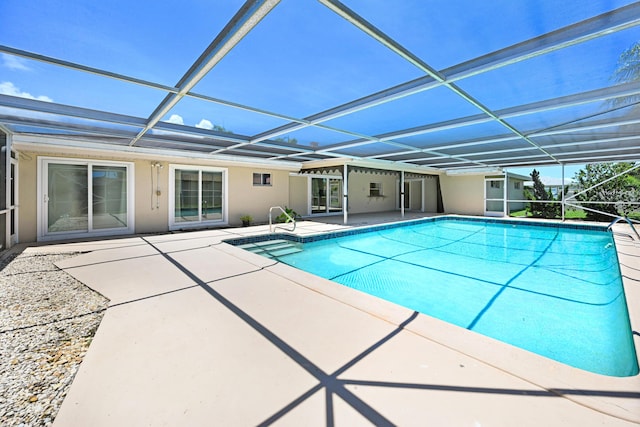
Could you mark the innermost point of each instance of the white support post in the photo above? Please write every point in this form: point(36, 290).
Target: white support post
point(402, 194)
point(562, 190)
point(505, 195)
point(345, 198)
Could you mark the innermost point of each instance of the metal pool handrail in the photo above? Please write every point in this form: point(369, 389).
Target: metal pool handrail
point(271, 227)
point(620, 218)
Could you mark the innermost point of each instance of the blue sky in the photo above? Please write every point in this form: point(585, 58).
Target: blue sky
point(302, 59)
point(549, 171)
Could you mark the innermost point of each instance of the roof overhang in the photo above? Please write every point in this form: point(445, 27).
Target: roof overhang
point(369, 164)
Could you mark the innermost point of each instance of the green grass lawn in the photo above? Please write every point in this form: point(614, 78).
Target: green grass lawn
point(568, 214)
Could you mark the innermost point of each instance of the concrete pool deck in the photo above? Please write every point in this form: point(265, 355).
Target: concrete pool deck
point(199, 332)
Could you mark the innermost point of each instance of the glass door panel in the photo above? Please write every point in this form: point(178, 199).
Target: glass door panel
point(318, 195)
point(211, 196)
point(66, 201)
point(326, 195)
point(187, 196)
point(335, 195)
point(109, 194)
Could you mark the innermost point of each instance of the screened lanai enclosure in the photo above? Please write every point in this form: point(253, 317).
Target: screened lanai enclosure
point(440, 86)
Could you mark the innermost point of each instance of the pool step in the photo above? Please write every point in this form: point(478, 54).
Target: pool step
point(272, 248)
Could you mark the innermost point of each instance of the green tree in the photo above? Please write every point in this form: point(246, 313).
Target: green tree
point(624, 188)
point(540, 193)
point(221, 129)
point(288, 140)
point(628, 70)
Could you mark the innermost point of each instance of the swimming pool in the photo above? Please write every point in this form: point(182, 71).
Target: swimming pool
point(553, 290)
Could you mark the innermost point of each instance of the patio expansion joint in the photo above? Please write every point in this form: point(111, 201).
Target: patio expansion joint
point(184, 288)
point(89, 264)
point(159, 253)
point(326, 380)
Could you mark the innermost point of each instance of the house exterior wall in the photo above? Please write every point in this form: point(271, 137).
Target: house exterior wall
point(247, 199)
point(359, 200)
point(27, 183)
point(299, 194)
point(430, 195)
point(416, 188)
point(152, 211)
point(463, 194)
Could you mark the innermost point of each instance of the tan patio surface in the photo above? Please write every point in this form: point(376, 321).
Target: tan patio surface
point(201, 333)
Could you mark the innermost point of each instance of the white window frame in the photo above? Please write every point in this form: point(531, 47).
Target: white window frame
point(377, 187)
point(41, 191)
point(173, 225)
point(262, 179)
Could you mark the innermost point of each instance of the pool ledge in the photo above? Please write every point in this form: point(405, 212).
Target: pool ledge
point(615, 396)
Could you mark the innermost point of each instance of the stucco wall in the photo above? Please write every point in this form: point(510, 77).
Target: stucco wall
point(463, 194)
point(27, 165)
point(417, 194)
point(431, 195)
point(247, 199)
point(151, 211)
point(359, 200)
point(299, 194)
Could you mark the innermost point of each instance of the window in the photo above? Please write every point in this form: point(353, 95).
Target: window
point(516, 185)
point(197, 196)
point(261, 179)
point(375, 189)
point(495, 184)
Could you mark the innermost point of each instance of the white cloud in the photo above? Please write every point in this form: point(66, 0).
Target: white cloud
point(14, 63)
point(8, 88)
point(205, 124)
point(176, 119)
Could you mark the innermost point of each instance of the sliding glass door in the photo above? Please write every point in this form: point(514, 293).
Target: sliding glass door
point(198, 196)
point(326, 195)
point(85, 197)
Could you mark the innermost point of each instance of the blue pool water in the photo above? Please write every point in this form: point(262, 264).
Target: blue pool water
point(552, 290)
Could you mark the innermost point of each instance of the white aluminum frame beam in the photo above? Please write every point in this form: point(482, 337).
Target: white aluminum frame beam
point(251, 13)
point(604, 24)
